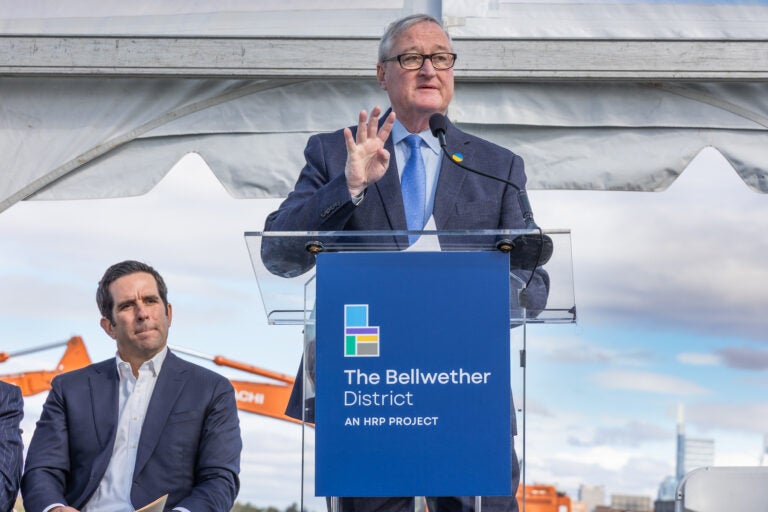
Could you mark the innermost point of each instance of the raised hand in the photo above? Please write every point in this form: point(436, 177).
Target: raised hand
point(367, 160)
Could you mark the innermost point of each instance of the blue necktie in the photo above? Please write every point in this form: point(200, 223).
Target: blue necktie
point(414, 186)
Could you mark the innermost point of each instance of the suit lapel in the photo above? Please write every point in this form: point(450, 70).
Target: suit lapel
point(451, 177)
point(103, 383)
point(170, 383)
point(448, 182)
point(388, 188)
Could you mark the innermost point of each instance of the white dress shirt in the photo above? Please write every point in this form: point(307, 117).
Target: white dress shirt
point(114, 492)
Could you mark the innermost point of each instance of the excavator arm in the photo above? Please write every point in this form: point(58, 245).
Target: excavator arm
point(264, 398)
point(267, 399)
point(34, 382)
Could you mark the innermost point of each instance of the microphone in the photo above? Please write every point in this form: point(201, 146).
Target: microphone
point(437, 125)
point(531, 254)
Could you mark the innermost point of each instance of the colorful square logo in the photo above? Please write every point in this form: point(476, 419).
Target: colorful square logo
point(360, 339)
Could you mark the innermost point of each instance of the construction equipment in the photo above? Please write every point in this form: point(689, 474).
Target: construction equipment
point(263, 398)
point(544, 498)
point(34, 382)
point(266, 399)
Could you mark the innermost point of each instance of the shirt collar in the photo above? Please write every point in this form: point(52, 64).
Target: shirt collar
point(153, 365)
point(399, 133)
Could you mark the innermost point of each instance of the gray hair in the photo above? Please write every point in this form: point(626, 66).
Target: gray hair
point(398, 27)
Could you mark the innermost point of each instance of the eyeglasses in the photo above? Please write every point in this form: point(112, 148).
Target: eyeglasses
point(411, 61)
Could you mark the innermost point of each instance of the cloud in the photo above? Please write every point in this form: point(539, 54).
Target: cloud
point(536, 408)
point(740, 358)
point(574, 350)
point(698, 359)
point(744, 358)
point(618, 473)
point(272, 457)
point(647, 382)
point(687, 258)
point(748, 417)
point(632, 434)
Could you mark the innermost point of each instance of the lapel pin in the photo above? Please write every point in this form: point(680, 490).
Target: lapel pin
point(457, 157)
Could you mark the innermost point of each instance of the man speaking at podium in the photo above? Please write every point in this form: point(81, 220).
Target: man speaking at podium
point(388, 173)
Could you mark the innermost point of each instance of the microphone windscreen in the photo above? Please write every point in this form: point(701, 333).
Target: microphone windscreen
point(530, 251)
point(437, 123)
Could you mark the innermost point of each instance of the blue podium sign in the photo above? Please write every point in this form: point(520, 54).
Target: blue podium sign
point(413, 374)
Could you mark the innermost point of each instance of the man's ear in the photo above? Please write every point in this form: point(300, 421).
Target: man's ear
point(107, 326)
point(169, 313)
point(380, 76)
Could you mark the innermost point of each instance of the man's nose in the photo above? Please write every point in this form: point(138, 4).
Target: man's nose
point(427, 68)
point(141, 310)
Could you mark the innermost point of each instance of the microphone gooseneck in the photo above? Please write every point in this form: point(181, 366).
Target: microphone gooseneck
point(520, 248)
point(437, 125)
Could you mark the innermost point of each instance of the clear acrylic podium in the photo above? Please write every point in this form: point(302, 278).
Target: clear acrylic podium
point(284, 266)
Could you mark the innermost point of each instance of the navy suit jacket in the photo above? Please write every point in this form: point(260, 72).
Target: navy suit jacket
point(321, 201)
point(11, 449)
point(189, 447)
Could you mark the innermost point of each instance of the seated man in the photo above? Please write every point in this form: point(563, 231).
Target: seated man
point(119, 434)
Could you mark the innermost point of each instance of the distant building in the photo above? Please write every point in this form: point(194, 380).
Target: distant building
point(630, 503)
point(579, 506)
point(605, 508)
point(692, 452)
point(667, 489)
point(699, 453)
point(592, 496)
point(680, 455)
point(665, 500)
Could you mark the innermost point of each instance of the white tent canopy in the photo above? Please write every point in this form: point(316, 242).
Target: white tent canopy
point(108, 113)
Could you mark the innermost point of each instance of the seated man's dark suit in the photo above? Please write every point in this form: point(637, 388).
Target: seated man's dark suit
point(321, 201)
point(11, 449)
point(189, 447)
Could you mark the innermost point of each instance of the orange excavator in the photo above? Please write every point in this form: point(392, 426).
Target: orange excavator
point(264, 398)
point(34, 382)
point(267, 399)
point(543, 498)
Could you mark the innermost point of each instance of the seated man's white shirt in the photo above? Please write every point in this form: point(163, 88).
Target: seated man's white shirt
point(114, 492)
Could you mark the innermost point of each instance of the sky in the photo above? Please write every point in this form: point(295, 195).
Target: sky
point(670, 289)
point(669, 286)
